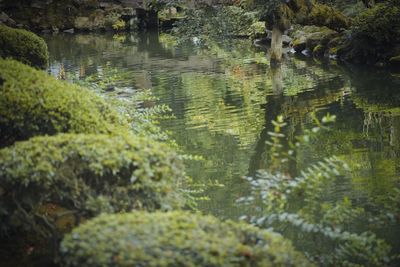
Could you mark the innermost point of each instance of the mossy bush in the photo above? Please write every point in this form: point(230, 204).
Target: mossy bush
point(324, 15)
point(23, 46)
point(34, 103)
point(374, 34)
point(83, 175)
point(174, 239)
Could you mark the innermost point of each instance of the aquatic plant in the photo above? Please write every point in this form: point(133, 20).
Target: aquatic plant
point(84, 175)
point(23, 46)
point(34, 103)
point(331, 230)
point(174, 239)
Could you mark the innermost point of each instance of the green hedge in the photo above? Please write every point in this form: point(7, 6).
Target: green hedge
point(174, 239)
point(23, 46)
point(84, 175)
point(34, 103)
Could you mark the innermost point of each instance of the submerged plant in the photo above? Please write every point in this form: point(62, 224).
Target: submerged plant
point(329, 228)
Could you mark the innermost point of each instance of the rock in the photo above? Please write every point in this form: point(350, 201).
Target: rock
point(394, 61)
point(286, 40)
point(307, 52)
point(299, 44)
point(261, 42)
point(86, 3)
point(309, 37)
point(96, 21)
point(127, 11)
point(3, 17)
point(82, 23)
point(69, 30)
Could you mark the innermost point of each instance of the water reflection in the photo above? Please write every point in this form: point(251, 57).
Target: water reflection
point(225, 95)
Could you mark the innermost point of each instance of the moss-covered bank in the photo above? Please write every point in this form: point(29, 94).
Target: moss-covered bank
point(178, 239)
point(34, 103)
point(23, 46)
point(375, 35)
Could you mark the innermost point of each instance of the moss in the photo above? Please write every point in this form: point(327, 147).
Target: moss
point(312, 36)
point(85, 175)
point(119, 25)
point(374, 34)
point(319, 50)
point(34, 103)
point(324, 15)
point(257, 30)
point(23, 46)
point(174, 239)
point(320, 37)
point(333, 50)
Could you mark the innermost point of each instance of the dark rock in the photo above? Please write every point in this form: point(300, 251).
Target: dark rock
point(69, 31)
point(286, 40)
point(394, 61)
point(307, 52)
point(309, 37)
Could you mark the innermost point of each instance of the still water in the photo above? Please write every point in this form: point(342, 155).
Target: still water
point(223, 97)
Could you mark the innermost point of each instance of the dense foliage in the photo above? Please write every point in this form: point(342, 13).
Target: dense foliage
point(23, 46)
point(33, 103)
point(216, 23)
point(174, 239)
point(374, 34)
point(85, 175)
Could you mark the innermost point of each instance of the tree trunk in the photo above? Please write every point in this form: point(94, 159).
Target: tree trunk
point(276, 45)
point(276, 78)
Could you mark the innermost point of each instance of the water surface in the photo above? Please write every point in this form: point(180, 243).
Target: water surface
point(224, 95)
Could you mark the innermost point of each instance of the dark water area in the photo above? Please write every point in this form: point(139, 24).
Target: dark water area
point(223, 97)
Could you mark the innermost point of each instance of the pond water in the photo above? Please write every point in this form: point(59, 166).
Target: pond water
point(223, 97)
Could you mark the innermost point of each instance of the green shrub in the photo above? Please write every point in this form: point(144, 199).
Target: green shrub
point(374, 34)
point(34, 103)
point(174, 239)
point(84, 175)
point(23, 46)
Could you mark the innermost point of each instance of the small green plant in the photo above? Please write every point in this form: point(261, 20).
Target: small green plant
point(174, 239)
point(119, 25)
point(328, 228)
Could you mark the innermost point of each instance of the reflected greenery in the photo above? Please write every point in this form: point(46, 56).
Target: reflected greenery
point(223, 97)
